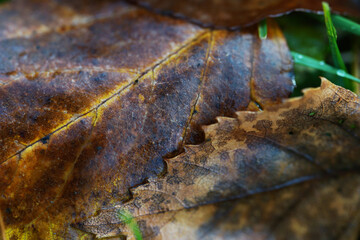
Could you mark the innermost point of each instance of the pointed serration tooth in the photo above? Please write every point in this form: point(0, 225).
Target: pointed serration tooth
point(241, 114)
point(343, 93)
point(208, 129)
point(188, 149)
point(324, 84)
point(225, 120)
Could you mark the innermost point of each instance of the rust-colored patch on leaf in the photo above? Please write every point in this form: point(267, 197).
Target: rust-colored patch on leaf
point(282, 173)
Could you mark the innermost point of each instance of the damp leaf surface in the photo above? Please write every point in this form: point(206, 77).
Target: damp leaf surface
point(93, 95)
point(283, 173)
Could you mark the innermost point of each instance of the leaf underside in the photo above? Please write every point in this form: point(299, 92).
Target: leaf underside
point(289, 172)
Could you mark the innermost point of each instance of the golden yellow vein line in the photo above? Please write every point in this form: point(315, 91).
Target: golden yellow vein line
point(116, 93)
point(69, 173)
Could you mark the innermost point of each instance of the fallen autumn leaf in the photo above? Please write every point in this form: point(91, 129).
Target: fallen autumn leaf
point(283, 173)
point(92, 102)
point(93, 95)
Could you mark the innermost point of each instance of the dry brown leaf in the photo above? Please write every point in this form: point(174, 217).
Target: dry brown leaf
point(92, 97)
point(234, 13)
point(289, 172)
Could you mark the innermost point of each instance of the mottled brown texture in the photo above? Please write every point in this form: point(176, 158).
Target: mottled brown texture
point(235, 13)
point(93, 96)
point(289, 172)
point(33, 17)
point(212, 102)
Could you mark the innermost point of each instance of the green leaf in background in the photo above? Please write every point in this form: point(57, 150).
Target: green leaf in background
point(305, 35)
point(331, 31)
point(262, 28)
point(321, 65)
point(128, 219)
point(335, 52)
point(308, 36)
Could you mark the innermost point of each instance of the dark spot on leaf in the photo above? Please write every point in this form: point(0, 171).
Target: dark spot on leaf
point(98, 149)
point(22, 134)
point(8, 210)
point(45, 139)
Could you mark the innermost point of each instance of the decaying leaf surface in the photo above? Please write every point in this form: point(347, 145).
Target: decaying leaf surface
point(93, 96)
point(289, 172)
point(234, 13)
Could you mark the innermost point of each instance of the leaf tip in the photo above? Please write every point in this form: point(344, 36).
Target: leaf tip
point(325, 82)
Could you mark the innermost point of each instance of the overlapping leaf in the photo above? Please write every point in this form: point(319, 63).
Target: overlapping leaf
point(228, 187)
point(234, 13)
point(94, 95)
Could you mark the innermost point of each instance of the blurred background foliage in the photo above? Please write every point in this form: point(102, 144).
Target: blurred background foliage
point(306, 33)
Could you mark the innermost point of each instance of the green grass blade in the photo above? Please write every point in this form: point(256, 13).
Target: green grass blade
point(262, 29)
point(128, 219)
point(321, 65)
point(338, 61)
point(346, 24)
point(335, 52)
